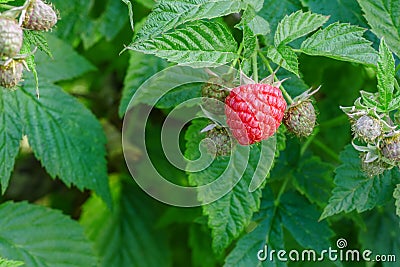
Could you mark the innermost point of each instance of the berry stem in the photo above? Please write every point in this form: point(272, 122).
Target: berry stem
point(308, 142)
point(255, 65)
point(239, 51)
point(284, 92)
point(297, 50)
point(326, 149)
point(281, 191)
point(334, 122)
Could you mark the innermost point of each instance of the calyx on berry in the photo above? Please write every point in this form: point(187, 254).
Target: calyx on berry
point(300, 118)
point(381, 137)
point(215, 91)
point(254, 111)
point(366, 123)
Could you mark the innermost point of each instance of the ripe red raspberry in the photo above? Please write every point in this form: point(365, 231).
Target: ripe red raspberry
point(10, 37)
point(39, 16)
point(254, 112)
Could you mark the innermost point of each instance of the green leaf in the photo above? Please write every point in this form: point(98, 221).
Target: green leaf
point(284, 56)
point(107, 25)
point(355, 191)
point(179, 95)
point(295, 214)
point(168, 14)
point(396, 195)
point(313, 179)
point(39, 236)
point(10, 135)
point(126, 235)
point(259, 26)
point(69, 142)
point(385, 75)
point(256, 24)
point(65, 65)
point(300, 218)
point(294, 85)
point(77, 23)
point(249, 36)
point(200, 44)
point(338, 10)
point(341, 41)
point(249, 42)
point(297, 25)
point(381, 235)
point(230, 214)
point(147, 3)
point(30, 61)
point(6, 1)
point(268, 232)
point(38, 39)
point(256, 4)
point(383, 17)
point(141, 67)
point(75, 17)
point(273, 11)
point(394, 104)
point(371, 100)
point(9, 263)
point(169, 86)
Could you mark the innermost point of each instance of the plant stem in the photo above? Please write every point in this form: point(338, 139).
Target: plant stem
point(255, 65)
point(326, 149)
point(308, 142)
point(284, 92)
point(296, 50)
point(281, 191)
point(239, 51)
point(337, 121)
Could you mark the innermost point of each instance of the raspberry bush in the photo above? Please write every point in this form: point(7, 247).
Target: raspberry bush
point(293, 140)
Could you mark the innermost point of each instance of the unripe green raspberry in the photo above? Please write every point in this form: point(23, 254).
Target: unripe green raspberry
point(367, 128)
point(214, 95)
point(300, 118)
point(39, 16)
point(373, 168)
point(219, 141)
point(390, 147)
point(10, 37)
point(11, 74)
